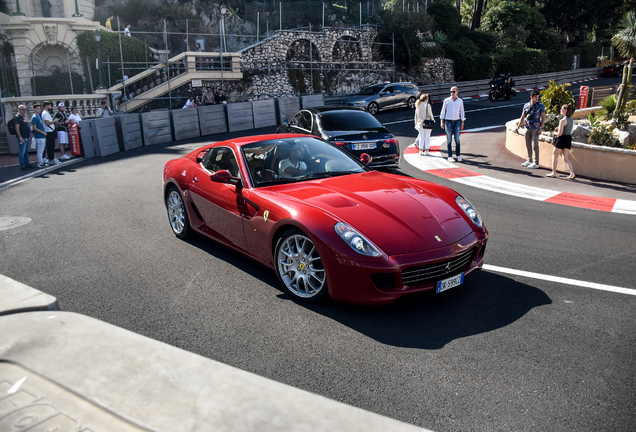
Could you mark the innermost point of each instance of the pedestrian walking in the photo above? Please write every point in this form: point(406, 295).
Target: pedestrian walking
point(563, 141)
point(452, 118)
point(533, 116)
point(109, 24)
point(423, 111)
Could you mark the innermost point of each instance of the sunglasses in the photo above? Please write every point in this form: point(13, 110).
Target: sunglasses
point(453, 91)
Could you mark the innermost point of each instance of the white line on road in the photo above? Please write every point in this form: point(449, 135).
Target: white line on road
point(557, 279)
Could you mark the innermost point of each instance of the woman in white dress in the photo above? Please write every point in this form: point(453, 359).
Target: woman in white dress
point(423, 111)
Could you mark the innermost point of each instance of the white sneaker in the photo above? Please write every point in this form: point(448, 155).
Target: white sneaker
point(421, 153)
point(426, 153)
point(450, 159)
point(533, 165)
point(45, 161)
point(526, 163)
point(459, 158)
point(65, 156)
point(55, 162)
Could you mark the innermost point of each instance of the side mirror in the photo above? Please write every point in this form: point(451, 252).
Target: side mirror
point(201, 155)
point(224, 176)
point(285, 123)
point(366, 158)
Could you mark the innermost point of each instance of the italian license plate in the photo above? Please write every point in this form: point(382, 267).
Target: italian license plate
point(451, 282)
point(364, 146)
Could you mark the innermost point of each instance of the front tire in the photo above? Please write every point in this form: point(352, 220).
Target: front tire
point(177, 213)
point(491, 96)
point(411, 103)
point(373, 108)
point(299, 267)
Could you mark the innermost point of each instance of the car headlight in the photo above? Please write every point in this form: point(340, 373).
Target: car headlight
point(360, 103)
point(356, 241)
point(470, 211)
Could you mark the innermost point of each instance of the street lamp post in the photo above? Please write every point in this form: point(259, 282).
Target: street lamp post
point(223, 43)
point(98, 37)
point(77, 14)
point(17, 12)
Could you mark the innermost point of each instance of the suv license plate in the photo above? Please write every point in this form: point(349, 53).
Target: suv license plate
point(364, 146)
point(451, 282)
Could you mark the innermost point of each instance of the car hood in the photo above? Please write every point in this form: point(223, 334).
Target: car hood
point(398, 215)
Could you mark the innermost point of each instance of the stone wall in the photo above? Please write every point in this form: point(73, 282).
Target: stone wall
point(334, 61)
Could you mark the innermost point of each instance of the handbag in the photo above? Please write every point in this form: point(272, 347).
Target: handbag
point(428, 124)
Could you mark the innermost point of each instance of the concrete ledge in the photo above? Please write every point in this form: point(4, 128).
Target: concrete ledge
point(16, 297)
point(64, 371)
point(603, 163)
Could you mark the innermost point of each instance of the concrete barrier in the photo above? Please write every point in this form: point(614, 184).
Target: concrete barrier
point(287, 107)
point(603, 163)
point(212, 119)
point(186, 123)
point(65, 371)
point(16, 297)
point(264, 112)
point(99, 137)
point(240, 116)
point(312, 101)
point(129, 126)
point(156, 127)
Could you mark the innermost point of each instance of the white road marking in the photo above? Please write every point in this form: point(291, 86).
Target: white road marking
point(578, 283)
point(624, 206)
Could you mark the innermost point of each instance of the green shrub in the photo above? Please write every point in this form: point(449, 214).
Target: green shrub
point(469, 63)
point(555, 96)
point(551, 122)
point(601, 136)
point(57, 83)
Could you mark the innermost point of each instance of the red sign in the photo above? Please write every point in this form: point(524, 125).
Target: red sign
point(583, 97)
point(74, 140)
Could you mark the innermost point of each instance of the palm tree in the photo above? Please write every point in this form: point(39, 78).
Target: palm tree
point(625, 39)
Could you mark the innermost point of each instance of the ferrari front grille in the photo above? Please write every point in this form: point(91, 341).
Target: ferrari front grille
point(425, 273)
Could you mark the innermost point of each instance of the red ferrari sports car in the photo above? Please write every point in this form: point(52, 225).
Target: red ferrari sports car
point(326, 223)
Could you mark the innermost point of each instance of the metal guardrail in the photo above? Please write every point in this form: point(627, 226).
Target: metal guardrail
point(481, 87)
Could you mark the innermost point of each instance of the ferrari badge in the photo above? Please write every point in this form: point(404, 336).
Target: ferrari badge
point(266, 215)
point(438, 239)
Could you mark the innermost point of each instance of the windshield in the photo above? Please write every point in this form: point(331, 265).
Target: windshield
point(343, 120)
point(371, 90)
point(297, 159)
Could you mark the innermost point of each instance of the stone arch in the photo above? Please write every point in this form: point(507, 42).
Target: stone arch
point(346, 49)
point(50, 58)
point(299, 51)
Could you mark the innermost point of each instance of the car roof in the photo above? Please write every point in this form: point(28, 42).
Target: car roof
point(327, 108)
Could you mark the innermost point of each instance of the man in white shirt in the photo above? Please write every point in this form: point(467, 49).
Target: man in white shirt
point(293, 165)
point(127, 30)
point(452, 119)
point(190, 103)
point(49, 128)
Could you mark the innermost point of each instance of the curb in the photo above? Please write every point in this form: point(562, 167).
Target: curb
point(439, 166)
point(39, 171)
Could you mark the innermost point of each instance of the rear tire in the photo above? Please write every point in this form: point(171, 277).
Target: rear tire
point(373, 108)
point(177, 213)
point(411, 103)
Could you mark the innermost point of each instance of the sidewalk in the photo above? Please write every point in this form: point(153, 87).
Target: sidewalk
point(10, 167)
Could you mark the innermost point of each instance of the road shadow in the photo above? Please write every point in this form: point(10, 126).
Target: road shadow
point(486, 302)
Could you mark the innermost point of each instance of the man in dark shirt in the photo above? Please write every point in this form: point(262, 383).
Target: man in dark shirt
point(23, 133)
point(220, 97)
point(62, 131)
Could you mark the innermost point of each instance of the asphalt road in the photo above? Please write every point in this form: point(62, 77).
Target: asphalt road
point(499, 353)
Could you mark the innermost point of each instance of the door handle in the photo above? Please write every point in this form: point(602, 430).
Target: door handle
point(195, 180)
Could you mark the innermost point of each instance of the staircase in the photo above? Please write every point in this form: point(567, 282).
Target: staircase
point(182, 69)
point(4, 142)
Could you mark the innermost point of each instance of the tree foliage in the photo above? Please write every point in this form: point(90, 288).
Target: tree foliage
point(625, 39)
point(406, 27)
